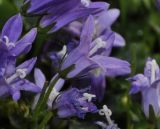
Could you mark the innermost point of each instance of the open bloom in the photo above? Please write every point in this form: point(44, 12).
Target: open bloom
point(90, 54)
point(103, 23)
point(10, 38)
point(75, 102)
point(63, 12)
point(12, 79)
point(148, 84)
point(93, 55)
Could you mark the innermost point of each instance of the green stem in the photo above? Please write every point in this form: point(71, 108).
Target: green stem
point(44, 97)
point(52, 84)
point(45, 120)
point(36, 110)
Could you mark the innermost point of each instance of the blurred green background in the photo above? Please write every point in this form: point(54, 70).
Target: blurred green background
point(139, 23)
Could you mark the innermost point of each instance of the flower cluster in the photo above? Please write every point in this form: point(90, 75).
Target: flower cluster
point(86, 58)
point(12, 77)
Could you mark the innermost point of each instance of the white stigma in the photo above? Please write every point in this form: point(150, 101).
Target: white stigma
point(153, 71)
point(63, 51)
point(86, 3)
point(107, 112)
point(98, 43)
point(85, 109)
point(19, 73)
point(8, 43)
point(88, 96)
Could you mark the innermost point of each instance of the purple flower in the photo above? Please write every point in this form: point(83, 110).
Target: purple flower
point(63, 12)
point(74, 102)
point(90, 54)
point(12, 81)
point(10, 38)
point(103, 23)
point(148, 85)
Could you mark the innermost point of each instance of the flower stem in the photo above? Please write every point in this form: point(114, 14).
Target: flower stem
point(44, 97)
point(45, 120)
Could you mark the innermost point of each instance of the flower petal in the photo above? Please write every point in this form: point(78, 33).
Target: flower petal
point(39, 78)
point(106, 19)
point(29, 64)
point(119, 40)
point(112, 66)
point(83, 48)
point(138, 83)
point(13, 28)
point(23, 46)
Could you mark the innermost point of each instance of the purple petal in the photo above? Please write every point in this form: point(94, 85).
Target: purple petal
point(78, 13)
point(3, 58)
point(4, 90)
point(112, 66)
point(106, 19)
point(10, 66)
point(82, 64)
point(150, 96)
point(29, 64)
point(138, 83)
point(75, 28)
point(98, 84)
point(119, 40)
point(151, 64)
point(13, 28)
point(38, 5)
point(23, 46)
point(16, 95)
point(28, 86)
point(39, 78)
point(83, 48)
point(66, 19)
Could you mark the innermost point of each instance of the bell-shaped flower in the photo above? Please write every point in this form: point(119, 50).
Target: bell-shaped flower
point(12, 81)
point(75, 102)
point(149, 86)
point(90, 54)
point(10, 38)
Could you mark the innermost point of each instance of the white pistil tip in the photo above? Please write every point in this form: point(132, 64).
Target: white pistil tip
point(86, 3)
point(105, 111)
point(8, 44)
point(98, 43)
point(88, 96)
point(85, 108)
point(21, 73)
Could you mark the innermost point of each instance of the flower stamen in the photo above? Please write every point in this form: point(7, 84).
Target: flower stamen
point(98, 43)
point(19, 73)
point(107, 113)
point(86, 3)
point(88, 96)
